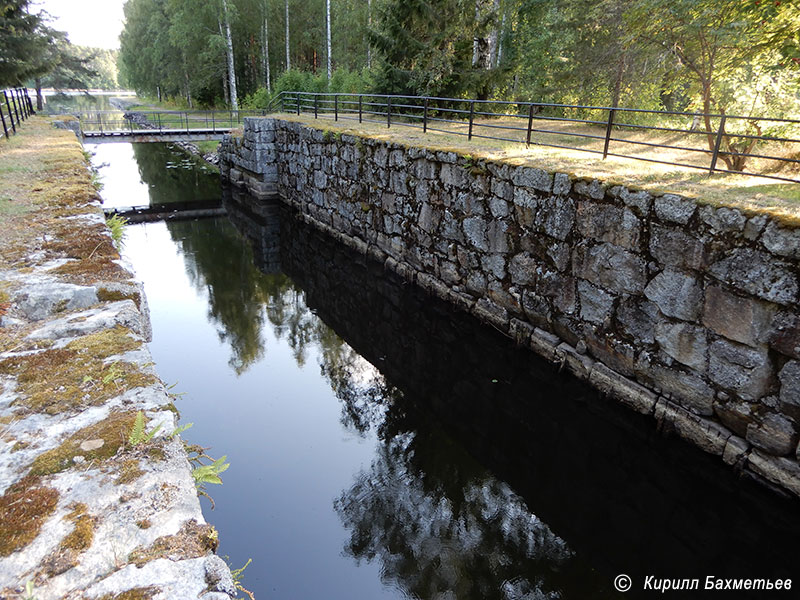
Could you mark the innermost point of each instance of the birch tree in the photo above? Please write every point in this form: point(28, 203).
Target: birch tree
point(265, 46)
point(328, 21)
point(229, 53)
point(369, 25)
point(288, 62)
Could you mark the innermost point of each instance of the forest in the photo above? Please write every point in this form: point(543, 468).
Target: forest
point(36, 55)
point(723, 56)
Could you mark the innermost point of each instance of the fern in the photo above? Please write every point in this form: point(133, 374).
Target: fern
point(181, 429)
point(138, 435)
point(210, 473)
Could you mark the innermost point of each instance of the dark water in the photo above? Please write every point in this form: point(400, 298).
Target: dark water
point(384, 446)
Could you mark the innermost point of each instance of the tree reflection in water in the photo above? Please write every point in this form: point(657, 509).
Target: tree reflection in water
point(443, 529)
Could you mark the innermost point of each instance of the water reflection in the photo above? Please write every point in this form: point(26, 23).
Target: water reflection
point(460, 467)
point(616, 496)
point(152, 173)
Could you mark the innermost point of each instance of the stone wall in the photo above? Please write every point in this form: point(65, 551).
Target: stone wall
point(680, 310)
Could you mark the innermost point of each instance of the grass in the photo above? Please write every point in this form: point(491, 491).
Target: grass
point(748, 193)
point(43, 177)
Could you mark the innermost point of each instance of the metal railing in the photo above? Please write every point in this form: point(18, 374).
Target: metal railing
point(163, 121)
point(15, 107)
point(724, 145)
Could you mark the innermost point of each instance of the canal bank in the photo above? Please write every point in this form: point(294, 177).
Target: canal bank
point(683, 311)
point(99, 498)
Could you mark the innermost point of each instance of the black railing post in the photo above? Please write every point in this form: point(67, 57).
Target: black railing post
point(213, 122)
point(18, 103)
point(336, 107)
point(3, 118)
point(717, 142)
point(471, 118)
point(316, 106)
point(23, 96)
point(10, 114)
point(298, 103)
point(360, 112)
point(389, 111)
point(530, 126)
point(608, 131)
point(425, 116)
point(16, 110)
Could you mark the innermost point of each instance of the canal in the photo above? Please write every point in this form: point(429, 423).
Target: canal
point(383, 445)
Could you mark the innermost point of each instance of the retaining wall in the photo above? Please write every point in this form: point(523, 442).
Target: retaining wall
point(680, 310)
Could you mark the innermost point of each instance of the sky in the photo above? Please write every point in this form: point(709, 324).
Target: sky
point(95, 23)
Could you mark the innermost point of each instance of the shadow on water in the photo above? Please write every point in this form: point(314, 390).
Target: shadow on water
point(495, 476)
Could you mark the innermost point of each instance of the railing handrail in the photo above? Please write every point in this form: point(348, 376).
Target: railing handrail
point(15, 107)
point(469, 111)
point(540, 104)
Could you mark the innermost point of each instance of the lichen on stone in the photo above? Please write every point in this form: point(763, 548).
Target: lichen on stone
point(23, 510)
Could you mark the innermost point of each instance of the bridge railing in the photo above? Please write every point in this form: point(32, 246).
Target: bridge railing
point(118, 121)
point(15, 107)
point(716, 143)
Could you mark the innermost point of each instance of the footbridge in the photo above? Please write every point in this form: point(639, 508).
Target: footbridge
point(157, 126)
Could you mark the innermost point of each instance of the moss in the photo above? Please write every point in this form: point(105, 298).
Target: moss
point(23, 510)
point(82, 536)
point(192, 541)
point(139, 593)
point(105, 294)
point(76, 376)
point(92, 269)
point(365, 207)
point(113, 431)
point(156, 453)
point(20, 446)
point(129, 472)
point(106, 343)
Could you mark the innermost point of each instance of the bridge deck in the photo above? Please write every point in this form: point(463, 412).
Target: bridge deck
point(156, 135)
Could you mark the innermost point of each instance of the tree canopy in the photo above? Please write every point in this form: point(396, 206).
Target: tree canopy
point(726, 56)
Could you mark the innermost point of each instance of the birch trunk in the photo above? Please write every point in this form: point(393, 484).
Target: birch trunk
point(500, 41)
point(288, 62)
point(229, 52)
point(494, 36)
point(328, 20)
point(369, 25)
point(265, 56)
